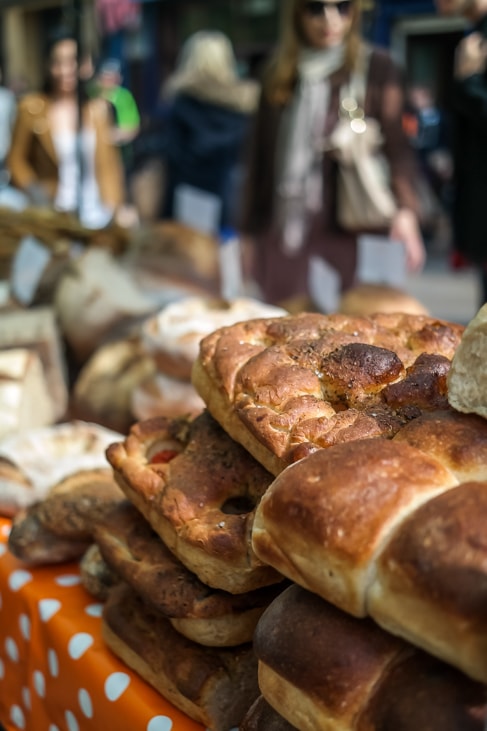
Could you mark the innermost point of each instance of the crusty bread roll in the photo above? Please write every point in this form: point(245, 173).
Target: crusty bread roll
point(367, 299)
point(396, 535)
point(324, 520)
point(346, 674)
point(103, 390)
point(467, 380)
point(94, 297)
point(431, 581)
point(208, 616)
point(286, 386)
point(198, 489)
point(66, 515)
point(213, 686)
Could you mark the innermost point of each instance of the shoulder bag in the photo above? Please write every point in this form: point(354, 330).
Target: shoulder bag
point(365, 201)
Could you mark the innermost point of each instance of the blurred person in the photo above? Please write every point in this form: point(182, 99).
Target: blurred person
point(107, 84)
point(289, 212)
point(8, 108)
point(207, 120)
point(49, 152)
point(469, 109)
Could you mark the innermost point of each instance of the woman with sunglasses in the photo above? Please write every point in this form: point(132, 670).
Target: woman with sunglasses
point(289, 208)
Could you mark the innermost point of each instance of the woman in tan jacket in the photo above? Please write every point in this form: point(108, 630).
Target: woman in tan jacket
point(49, 145)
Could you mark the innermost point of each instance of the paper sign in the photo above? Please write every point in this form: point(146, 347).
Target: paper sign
point(324, 284)
point(197, 208)
point(28, 266)
point(381, 261)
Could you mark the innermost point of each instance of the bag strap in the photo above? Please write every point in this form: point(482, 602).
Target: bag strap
point(356, 88)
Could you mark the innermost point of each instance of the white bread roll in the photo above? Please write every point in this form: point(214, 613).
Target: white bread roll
point(467, 380)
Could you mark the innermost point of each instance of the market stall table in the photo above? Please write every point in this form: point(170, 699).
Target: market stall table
point(56, 673)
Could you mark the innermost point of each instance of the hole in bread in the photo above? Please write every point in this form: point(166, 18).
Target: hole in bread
point(238, 505)
point(163, 451)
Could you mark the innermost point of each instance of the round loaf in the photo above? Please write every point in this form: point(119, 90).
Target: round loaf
point(368, 299)
point(161, 395)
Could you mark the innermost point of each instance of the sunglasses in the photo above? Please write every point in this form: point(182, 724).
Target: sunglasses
point(316, 8)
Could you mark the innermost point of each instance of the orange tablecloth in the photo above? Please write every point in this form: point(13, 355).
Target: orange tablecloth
point(55, 672)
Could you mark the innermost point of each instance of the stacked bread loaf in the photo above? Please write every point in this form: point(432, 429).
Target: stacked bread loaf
point(380, 515)
point(191, 590)
point(172, 338)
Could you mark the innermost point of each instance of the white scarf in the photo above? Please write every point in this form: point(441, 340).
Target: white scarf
point(298, 162)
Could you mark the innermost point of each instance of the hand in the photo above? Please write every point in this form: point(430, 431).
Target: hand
point(405, 228)
point(470, 56)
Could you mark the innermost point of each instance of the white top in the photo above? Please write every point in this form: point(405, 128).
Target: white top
point(92, 211)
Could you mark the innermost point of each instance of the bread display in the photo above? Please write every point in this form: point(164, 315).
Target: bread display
point(467, 380)
point(95, 574)
point(138, 556)
point(347, 674)
point(212, 685)
point(262, 717)
point(285, 387)
point(390, 533)
point(198, 490)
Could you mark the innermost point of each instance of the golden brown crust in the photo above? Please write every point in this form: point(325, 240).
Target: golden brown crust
point(201, 502)
point(423, 693)
point(278, 384)
point(137, 554)
point(458, 441)
point(335, 665)
point(323, 520)
point(431, 584)
point(95, 574)
point(346, 673)
point(213, 686)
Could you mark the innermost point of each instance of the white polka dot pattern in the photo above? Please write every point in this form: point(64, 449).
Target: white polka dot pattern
point(18, 579)
point(17, 716)
point(78, 644)
point(68, 580)
point(39, 683)
point(26, 698)
point(53, 663)
point(71, 721)
point(85, 703)
point(94, 610)
point(11, 649)
point(24, 624)
point(48, 608)
point(115, 685)
point(159, 723)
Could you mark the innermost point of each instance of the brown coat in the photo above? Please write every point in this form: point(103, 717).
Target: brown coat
point(32, 157)
point(282, 276)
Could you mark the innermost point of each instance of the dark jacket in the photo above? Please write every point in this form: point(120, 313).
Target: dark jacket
point(203, 143)
point(470, 163)
point(279, 276)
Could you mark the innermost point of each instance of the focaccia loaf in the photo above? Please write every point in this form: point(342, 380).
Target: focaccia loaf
point(285, 387)
point(347, 674)
point(467, 381)
point(198, 490)
point(386, 529)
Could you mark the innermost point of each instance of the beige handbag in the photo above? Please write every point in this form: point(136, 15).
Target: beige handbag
point(365, 201)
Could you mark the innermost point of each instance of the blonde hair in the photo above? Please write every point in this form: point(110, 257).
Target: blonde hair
point(206, 56)
point(281, 73)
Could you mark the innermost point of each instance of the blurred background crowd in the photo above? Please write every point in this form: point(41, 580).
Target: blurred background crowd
point(175, 103)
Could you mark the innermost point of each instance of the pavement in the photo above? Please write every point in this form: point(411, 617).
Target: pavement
point(448, 294)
